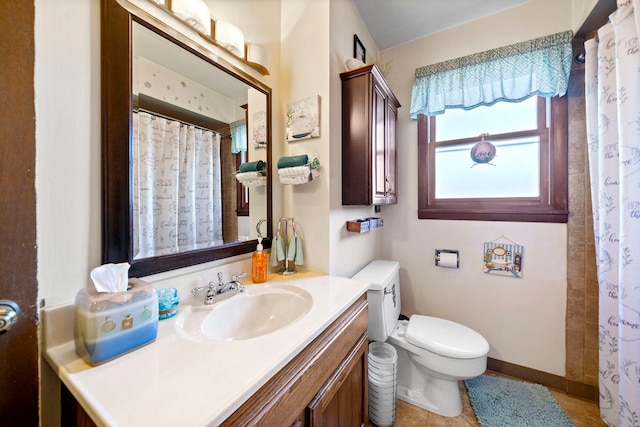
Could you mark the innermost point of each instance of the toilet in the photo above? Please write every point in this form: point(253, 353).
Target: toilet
point(433, 353)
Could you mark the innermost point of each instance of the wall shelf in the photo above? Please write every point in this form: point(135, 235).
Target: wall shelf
point(363, 225)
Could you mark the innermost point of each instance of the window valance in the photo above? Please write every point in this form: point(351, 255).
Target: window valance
point(511, 73)
point(238, 136)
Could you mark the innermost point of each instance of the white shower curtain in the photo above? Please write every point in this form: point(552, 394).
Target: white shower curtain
point(177, 201)
point(612, 83)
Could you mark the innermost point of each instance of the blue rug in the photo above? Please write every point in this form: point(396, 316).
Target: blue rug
point(499, 402)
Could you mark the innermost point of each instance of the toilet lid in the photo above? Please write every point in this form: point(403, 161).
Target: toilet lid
point(445, 337)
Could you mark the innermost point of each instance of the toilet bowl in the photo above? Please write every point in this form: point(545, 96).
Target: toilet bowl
point(433, 353)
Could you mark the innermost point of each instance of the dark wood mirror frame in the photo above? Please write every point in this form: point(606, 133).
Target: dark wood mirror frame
point(116, 92)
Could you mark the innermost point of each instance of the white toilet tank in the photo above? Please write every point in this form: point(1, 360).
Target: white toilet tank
point(383, 295)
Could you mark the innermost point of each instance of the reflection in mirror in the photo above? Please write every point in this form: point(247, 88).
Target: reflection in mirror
point(191, 125)
point(184, 158)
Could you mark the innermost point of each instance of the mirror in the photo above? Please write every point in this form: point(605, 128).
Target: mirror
point(177, 123)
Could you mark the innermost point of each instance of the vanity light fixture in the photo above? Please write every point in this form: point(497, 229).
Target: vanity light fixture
point(230, 37)
point(257, 56)
point(194, 13)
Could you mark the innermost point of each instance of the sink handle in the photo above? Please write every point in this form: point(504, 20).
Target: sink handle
point(239, 276)
point(197, 289)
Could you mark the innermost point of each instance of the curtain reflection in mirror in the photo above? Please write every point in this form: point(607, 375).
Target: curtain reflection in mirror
point(238, 136)
point(176, 187)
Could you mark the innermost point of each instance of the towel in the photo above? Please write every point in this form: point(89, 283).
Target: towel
point(295, 250)
point(299, 256)
point(315, 163)
point(248, 176)
point(297, 175)
point(258, 165)
point(294, 171)
point(273, 260)
point(291, 252)
point(287, 162)
point(280, 250)
point(277, 250)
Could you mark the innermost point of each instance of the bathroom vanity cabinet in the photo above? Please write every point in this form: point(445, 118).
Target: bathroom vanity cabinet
point(369, 122)
point(324, 385)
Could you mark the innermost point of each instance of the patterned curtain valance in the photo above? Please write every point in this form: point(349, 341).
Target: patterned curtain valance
point(512, 73)
point(238, 136)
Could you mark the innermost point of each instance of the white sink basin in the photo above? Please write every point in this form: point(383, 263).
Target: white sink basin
point(259, 310)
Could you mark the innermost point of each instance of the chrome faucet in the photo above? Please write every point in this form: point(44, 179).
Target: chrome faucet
point(219, 291)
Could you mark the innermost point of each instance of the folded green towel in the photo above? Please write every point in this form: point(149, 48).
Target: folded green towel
point(258, 165)
point(289, 162)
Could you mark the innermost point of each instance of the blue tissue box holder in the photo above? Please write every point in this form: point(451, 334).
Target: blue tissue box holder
point(109, 325)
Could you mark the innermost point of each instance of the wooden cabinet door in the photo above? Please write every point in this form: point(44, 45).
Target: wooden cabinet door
point(323, 363)
point(343, 400)
point(391, 179)
point(378, 147)
point(356, 145)
point(369, 117)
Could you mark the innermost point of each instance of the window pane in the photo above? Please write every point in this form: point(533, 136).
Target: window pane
point(513, 172)
point(501, 117)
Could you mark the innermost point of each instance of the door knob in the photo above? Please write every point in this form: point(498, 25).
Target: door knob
point(9, 313)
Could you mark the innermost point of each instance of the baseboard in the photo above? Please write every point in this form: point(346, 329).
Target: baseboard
point(582, 390)
point(556, 382)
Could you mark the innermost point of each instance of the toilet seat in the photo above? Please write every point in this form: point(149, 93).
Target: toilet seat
point(445, 337)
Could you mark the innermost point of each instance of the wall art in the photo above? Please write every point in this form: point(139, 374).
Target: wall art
point(303, 119)
point(503, 257)
point(359, 52)
point(259, 129)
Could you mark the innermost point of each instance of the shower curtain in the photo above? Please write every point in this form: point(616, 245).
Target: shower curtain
point(612, 85)
point(177, 201)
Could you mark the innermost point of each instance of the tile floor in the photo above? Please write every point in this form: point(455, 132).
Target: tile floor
point(584, 413)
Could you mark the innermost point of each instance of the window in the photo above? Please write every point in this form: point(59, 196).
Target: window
point(242, 193)
point(520, 176)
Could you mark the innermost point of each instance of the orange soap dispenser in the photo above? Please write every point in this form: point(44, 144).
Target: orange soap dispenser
point(259, 264)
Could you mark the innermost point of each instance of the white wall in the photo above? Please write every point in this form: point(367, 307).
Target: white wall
point(349, 252)
point(523, 319)
point(67, 90)
point(67, 102)
point(303, 73)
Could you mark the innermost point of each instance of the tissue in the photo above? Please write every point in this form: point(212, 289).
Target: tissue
point(111, 277)
point(110, 324)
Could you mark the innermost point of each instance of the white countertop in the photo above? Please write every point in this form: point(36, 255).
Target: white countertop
point(177, 381)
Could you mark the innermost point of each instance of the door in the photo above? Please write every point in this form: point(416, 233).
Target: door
point(343, 401)
point(18, 345)
point(378, 146)
point(391, 197)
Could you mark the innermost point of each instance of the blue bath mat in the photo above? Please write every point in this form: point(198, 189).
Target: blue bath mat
point(499, 402)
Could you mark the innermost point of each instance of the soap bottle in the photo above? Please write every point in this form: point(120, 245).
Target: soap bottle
point(259, 264)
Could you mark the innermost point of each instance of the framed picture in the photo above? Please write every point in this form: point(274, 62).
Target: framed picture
point(359, 52)
point(303, 119)
point(259, 129)
point(503, 258)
